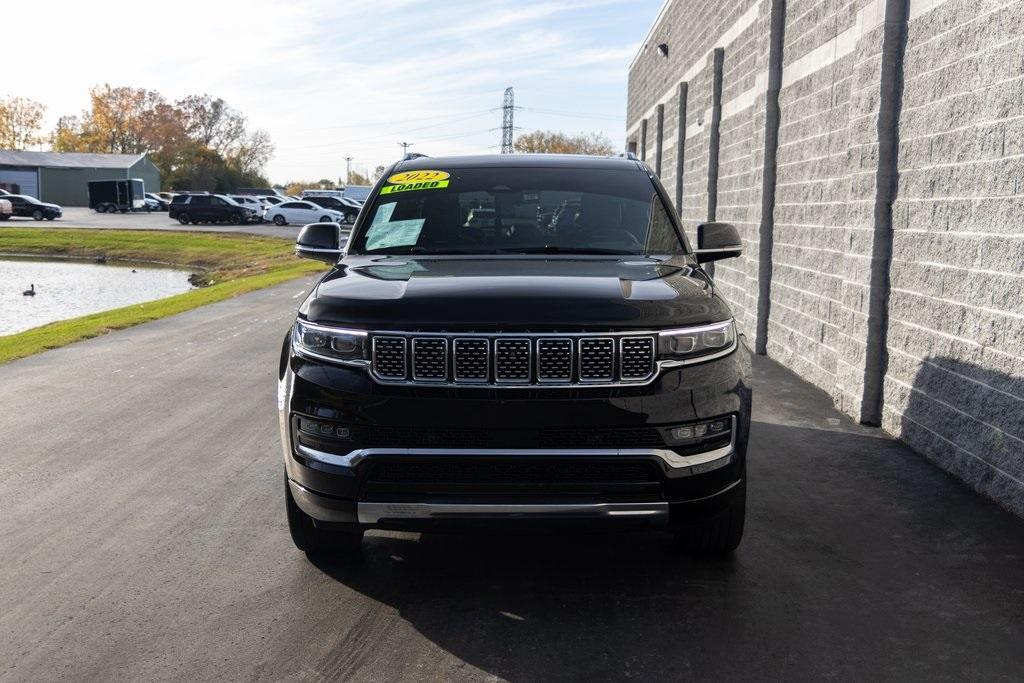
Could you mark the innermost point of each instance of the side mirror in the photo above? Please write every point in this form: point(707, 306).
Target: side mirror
point(321, 241)
point(717, 241)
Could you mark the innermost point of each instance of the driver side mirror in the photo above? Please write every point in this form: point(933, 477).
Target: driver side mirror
point(717, 241)
point(322, 242)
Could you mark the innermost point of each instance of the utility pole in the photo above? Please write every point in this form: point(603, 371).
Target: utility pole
point(405, 147)
point(507, 108)
point(348, 170)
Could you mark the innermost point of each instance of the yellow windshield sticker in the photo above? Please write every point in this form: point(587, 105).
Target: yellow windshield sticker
point(417, 177)
point(419, 185)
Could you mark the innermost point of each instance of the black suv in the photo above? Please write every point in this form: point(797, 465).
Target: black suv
point(449, 373)
point(210, 208)
point(30, 207)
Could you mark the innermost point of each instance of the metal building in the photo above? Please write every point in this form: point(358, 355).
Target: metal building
point(62, 177)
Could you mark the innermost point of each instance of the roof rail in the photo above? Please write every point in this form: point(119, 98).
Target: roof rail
point(409, 156)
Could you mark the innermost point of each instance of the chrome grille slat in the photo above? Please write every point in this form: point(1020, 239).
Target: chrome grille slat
point(429, 359)
point(389, 357)
point(546, 359)
point(512, 360)
point(554, 360)
point(597, 359)
point(472, 360)
point(636, 357)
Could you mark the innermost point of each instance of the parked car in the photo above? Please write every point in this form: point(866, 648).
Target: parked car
point(6, 210)
point(251, 202)
point(272, 199)
point(166, 196)
point(300, 212)
point(156, 202)
point(29, 207)
point(211, 208)
point(336, 204)
point(443, 374)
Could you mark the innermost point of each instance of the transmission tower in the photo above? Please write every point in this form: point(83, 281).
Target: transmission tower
point(508, 107)
point(405, 147)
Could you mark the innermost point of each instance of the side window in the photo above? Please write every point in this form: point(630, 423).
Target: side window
point(662, 238)
point(217, 201)
point(199, 200)
point(292, 205)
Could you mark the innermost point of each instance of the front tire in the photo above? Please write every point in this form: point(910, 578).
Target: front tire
point(37, 215)
point(237, 219)
point(183, 219)
point(718, 535)
point(314, 540)
point(279, 220)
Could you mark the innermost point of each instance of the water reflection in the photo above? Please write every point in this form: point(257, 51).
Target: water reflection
point(67, 289)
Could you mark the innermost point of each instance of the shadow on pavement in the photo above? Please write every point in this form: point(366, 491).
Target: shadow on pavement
point(860, 559)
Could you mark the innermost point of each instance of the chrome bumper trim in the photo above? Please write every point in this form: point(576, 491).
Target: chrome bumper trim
point(676, 465)
point(372, 513)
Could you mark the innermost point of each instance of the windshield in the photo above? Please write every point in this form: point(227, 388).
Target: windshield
point(518, 210)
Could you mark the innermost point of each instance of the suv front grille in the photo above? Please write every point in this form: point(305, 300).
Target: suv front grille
point(520, 360)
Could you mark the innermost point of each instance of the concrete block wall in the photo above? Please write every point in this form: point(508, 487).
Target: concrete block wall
point(954, 387)
point(882, 220)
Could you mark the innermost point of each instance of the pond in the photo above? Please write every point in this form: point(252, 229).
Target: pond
point(67, 289)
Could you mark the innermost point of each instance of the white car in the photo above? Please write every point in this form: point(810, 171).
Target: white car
point(253, 203)
point(302, 213)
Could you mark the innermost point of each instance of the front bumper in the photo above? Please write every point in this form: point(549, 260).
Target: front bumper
point(342, 485)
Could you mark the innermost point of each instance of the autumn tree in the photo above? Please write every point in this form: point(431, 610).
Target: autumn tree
point(357, 178)
point(21, 120)
point(551, 142)
point(198, 143)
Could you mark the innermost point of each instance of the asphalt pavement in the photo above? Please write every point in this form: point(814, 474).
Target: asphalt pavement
point(143, 537)
point(84, 217)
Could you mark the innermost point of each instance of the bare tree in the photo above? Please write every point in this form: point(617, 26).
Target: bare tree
point(550, 142)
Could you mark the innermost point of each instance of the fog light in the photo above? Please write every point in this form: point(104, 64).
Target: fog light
point(324, 429)
point(697, 432)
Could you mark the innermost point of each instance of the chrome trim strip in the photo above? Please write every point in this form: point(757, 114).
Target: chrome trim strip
point(372, 513)
point(677, 465)
point(680, 362)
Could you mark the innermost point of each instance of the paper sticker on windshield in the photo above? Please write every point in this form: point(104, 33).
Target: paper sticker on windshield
point(409, 181)
point(394, 234)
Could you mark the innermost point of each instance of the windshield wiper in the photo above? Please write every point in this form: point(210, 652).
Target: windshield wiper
point(555, 249)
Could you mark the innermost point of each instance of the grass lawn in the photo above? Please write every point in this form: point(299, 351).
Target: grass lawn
point(227, 264)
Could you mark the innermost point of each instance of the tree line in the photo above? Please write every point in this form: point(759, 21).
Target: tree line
point(198, 142)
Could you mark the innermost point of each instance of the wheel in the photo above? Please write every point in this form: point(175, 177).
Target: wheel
point(37, 215)
point(5, 217)
point(326, 219)
point(279, 220)
point(183, 219)
point(237, 219)
point(314, 540)
point(718, 535)
point(350, 218)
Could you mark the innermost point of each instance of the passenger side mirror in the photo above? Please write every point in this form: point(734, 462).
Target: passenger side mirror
point(717, 241)
point(322, 242)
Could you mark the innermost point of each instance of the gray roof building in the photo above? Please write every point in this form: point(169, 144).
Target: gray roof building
point(62, 177)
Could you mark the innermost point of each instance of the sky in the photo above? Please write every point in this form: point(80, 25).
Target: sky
point(349, 77)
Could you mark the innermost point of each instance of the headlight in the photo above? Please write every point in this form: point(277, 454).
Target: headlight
point(345, 346)
point(694, 342)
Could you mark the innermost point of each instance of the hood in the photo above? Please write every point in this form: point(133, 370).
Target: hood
point(562, 293)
